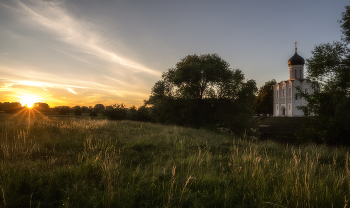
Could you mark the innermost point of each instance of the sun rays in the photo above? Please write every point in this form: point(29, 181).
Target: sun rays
point(29, 110)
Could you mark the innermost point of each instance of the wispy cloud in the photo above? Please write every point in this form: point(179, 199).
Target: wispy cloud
point(71, 90)
point(94, 71)
point(54, 18)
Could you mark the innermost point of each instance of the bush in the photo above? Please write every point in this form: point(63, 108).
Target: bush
point(93, 113)
point(115, 112)
point(64, 110)
point(78, 111)
point(143, 114)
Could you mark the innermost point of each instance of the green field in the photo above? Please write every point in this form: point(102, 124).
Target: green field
point(82, 162)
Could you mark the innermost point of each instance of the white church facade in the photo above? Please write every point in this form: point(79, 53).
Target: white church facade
point(285, 101)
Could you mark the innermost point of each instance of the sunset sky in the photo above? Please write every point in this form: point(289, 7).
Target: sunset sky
point(83, 52)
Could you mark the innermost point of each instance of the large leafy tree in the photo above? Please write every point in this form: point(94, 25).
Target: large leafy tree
point(203, 90)
point(328, 110)
point(263, 103)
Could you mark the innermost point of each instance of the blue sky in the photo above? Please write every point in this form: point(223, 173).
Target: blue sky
point(83, 52)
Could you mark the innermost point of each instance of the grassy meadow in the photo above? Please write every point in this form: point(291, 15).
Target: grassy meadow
point(82, 162)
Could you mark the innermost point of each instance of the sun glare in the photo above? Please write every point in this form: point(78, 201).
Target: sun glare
point(29, 100)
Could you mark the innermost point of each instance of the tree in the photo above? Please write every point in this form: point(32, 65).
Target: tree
point(99, 108)
point(13, 107)
point(63, 110)
point(93, 113)
point(132, 113)
point(77, 111)
point(84, 109)
point(327, 112)
point(202, 90)
point(263, 103)
point(143, 114)
point(44, 107)
point(115, 112)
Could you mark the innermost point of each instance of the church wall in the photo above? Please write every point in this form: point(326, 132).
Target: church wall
point(287, 99)
point(281, 99)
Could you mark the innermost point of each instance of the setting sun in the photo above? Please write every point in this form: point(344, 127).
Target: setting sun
point(29, 100)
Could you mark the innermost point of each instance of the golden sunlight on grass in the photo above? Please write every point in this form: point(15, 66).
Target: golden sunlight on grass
point(29, 100)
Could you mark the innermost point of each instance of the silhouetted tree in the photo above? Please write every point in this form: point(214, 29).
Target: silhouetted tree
point(263, 103)
point(202, 90)
point(327, 112)
point(77, 111)
point(63, 110)
point(84, 109)
point(43, 107)
point(13, 107)
point(143, 114)
point(99, 108)
point(93, 113)
point(115, 112)
point(132, 113)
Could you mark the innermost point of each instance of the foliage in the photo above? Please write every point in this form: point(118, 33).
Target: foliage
point(115, 112)
point(42, 107)
point(263, 102)
point(63, 162)
point(13, 107)
point(63, 110)
point(328, 110)
point(99, 108)
point(143, 114)
point(202, 90)
point(84, 109)
point(77, 111)
point(93, 113)
point(138, 114)
point(132, 113)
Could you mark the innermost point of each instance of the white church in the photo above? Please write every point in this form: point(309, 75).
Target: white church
point(285, 100)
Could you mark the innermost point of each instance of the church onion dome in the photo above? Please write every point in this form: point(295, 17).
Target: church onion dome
point(296, 60)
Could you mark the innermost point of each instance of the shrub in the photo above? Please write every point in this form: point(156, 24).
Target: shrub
point(115, 112)
point(78, 111)
point(93, 113)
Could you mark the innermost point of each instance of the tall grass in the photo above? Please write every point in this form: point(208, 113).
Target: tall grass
point(63, 162)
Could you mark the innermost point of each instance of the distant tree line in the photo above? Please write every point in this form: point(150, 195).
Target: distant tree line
point(12, 107)
point(15, 107)
point(113, 112)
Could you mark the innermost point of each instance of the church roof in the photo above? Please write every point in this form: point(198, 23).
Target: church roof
point(296, 60)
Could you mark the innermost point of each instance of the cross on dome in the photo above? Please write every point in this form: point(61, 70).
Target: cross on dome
point(296, 59)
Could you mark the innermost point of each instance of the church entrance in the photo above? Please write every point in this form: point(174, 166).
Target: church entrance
point(283, 109)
